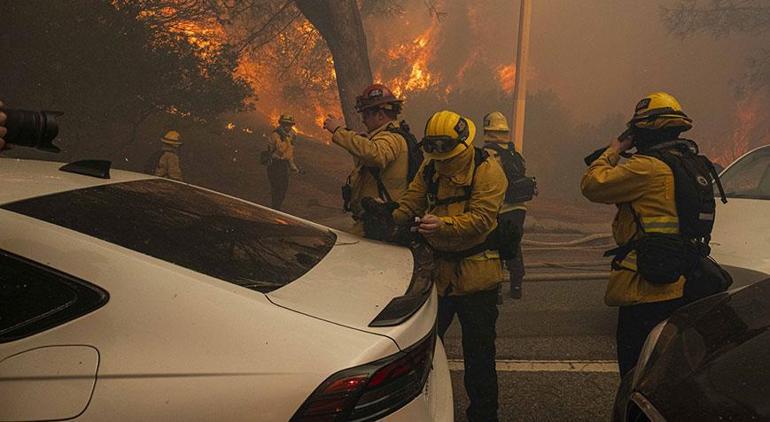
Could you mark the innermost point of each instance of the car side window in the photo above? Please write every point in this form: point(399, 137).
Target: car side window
point(34, 298)
point(749, 177)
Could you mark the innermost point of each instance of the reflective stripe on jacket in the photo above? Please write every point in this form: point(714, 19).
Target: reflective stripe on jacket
point(466, 224)
point(643, 185)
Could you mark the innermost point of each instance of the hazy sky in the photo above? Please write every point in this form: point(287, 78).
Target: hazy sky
point(600, 56)
point(603, 55)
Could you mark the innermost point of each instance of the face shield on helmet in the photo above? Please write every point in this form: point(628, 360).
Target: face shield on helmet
point(447, 134)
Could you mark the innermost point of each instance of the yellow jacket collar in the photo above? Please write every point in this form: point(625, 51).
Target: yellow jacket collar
point(498, 138)
point(383, 127)
point(458, 169)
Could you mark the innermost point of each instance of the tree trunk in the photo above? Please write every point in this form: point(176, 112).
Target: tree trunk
point(339, 23)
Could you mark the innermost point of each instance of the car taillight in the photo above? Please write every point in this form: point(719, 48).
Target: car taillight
point(372, 391)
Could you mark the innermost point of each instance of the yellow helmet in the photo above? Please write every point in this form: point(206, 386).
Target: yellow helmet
point(286, 118)
point(447, 134)
point(172, 137)
point(496, 121)
point(659, 110)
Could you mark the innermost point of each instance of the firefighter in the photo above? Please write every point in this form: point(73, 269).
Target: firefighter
point(453, 202)
point(168, 162)
point(280, 152)
point(498, 143)
point(642, 188)
point(381, 156)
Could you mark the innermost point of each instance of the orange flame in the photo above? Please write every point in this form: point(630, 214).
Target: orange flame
point(415, 55)
point(507, 77)
point(746, 115)
point(306, 94)
point(408, 61)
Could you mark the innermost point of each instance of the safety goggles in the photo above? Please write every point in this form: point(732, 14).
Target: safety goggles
point(440, 144)
point(444, 143)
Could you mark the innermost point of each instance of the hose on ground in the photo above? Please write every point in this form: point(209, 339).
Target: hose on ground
point(576, 242)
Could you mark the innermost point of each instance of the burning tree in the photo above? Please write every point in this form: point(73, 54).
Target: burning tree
point(291, 52)
point(339, 22)
point(109, 68)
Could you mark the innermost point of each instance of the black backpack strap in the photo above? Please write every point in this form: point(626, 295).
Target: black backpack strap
point(479, 157)
point(459, 255)
point(414, 153)
point(375, 171)
point(495, 146)
point(510, 158)
point(619, 253)
point(381, 189)
point(432, 192)
point(717, 180)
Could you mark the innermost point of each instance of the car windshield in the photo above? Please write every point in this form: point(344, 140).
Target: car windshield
point(197, 229)
point(749, 177)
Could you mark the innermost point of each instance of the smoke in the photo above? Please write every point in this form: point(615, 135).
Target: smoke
point(590, 62)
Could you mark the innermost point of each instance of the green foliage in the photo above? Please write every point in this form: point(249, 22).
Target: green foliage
point(109, 70)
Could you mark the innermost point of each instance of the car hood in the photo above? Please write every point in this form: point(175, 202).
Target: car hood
point(356, 280)
point(741, 235)
point(713, 361)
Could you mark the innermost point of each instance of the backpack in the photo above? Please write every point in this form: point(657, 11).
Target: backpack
point(663, 258)
point(502, 239)
point(414, 156)
point(520, 187)
point(694, 180)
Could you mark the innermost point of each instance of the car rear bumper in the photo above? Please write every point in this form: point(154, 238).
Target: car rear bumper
point(435, 402)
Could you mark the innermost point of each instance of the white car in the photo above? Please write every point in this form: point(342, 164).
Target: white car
point(139, 298)
point(741, 235)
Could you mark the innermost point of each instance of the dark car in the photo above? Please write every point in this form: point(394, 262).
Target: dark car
point(709, 362)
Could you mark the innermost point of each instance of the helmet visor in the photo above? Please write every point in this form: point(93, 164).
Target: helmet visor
point(439, 144)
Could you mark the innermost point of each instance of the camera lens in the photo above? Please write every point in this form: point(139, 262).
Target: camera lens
point(35, 129)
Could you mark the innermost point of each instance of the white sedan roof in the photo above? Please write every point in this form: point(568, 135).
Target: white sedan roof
point(23, 179)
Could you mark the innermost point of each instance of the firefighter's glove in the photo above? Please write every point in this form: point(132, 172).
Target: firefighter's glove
point(378, 219)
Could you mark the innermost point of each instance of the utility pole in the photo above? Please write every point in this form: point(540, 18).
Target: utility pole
point(520, 90)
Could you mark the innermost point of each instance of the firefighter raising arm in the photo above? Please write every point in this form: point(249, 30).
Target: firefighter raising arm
point(608, 182)
point(383, 162)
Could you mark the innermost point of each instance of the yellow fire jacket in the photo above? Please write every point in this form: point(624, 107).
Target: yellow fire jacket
point(382, 149)
point(507, 206)
point(282, 147)
point(168, 164)
point(644, 185)
point(466, 224)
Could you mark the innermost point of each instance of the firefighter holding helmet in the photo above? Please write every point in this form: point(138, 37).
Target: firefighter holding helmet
point(662, 229)
point(453, 202)
point(280, 159)
point(167, 164)
point(382, 155)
